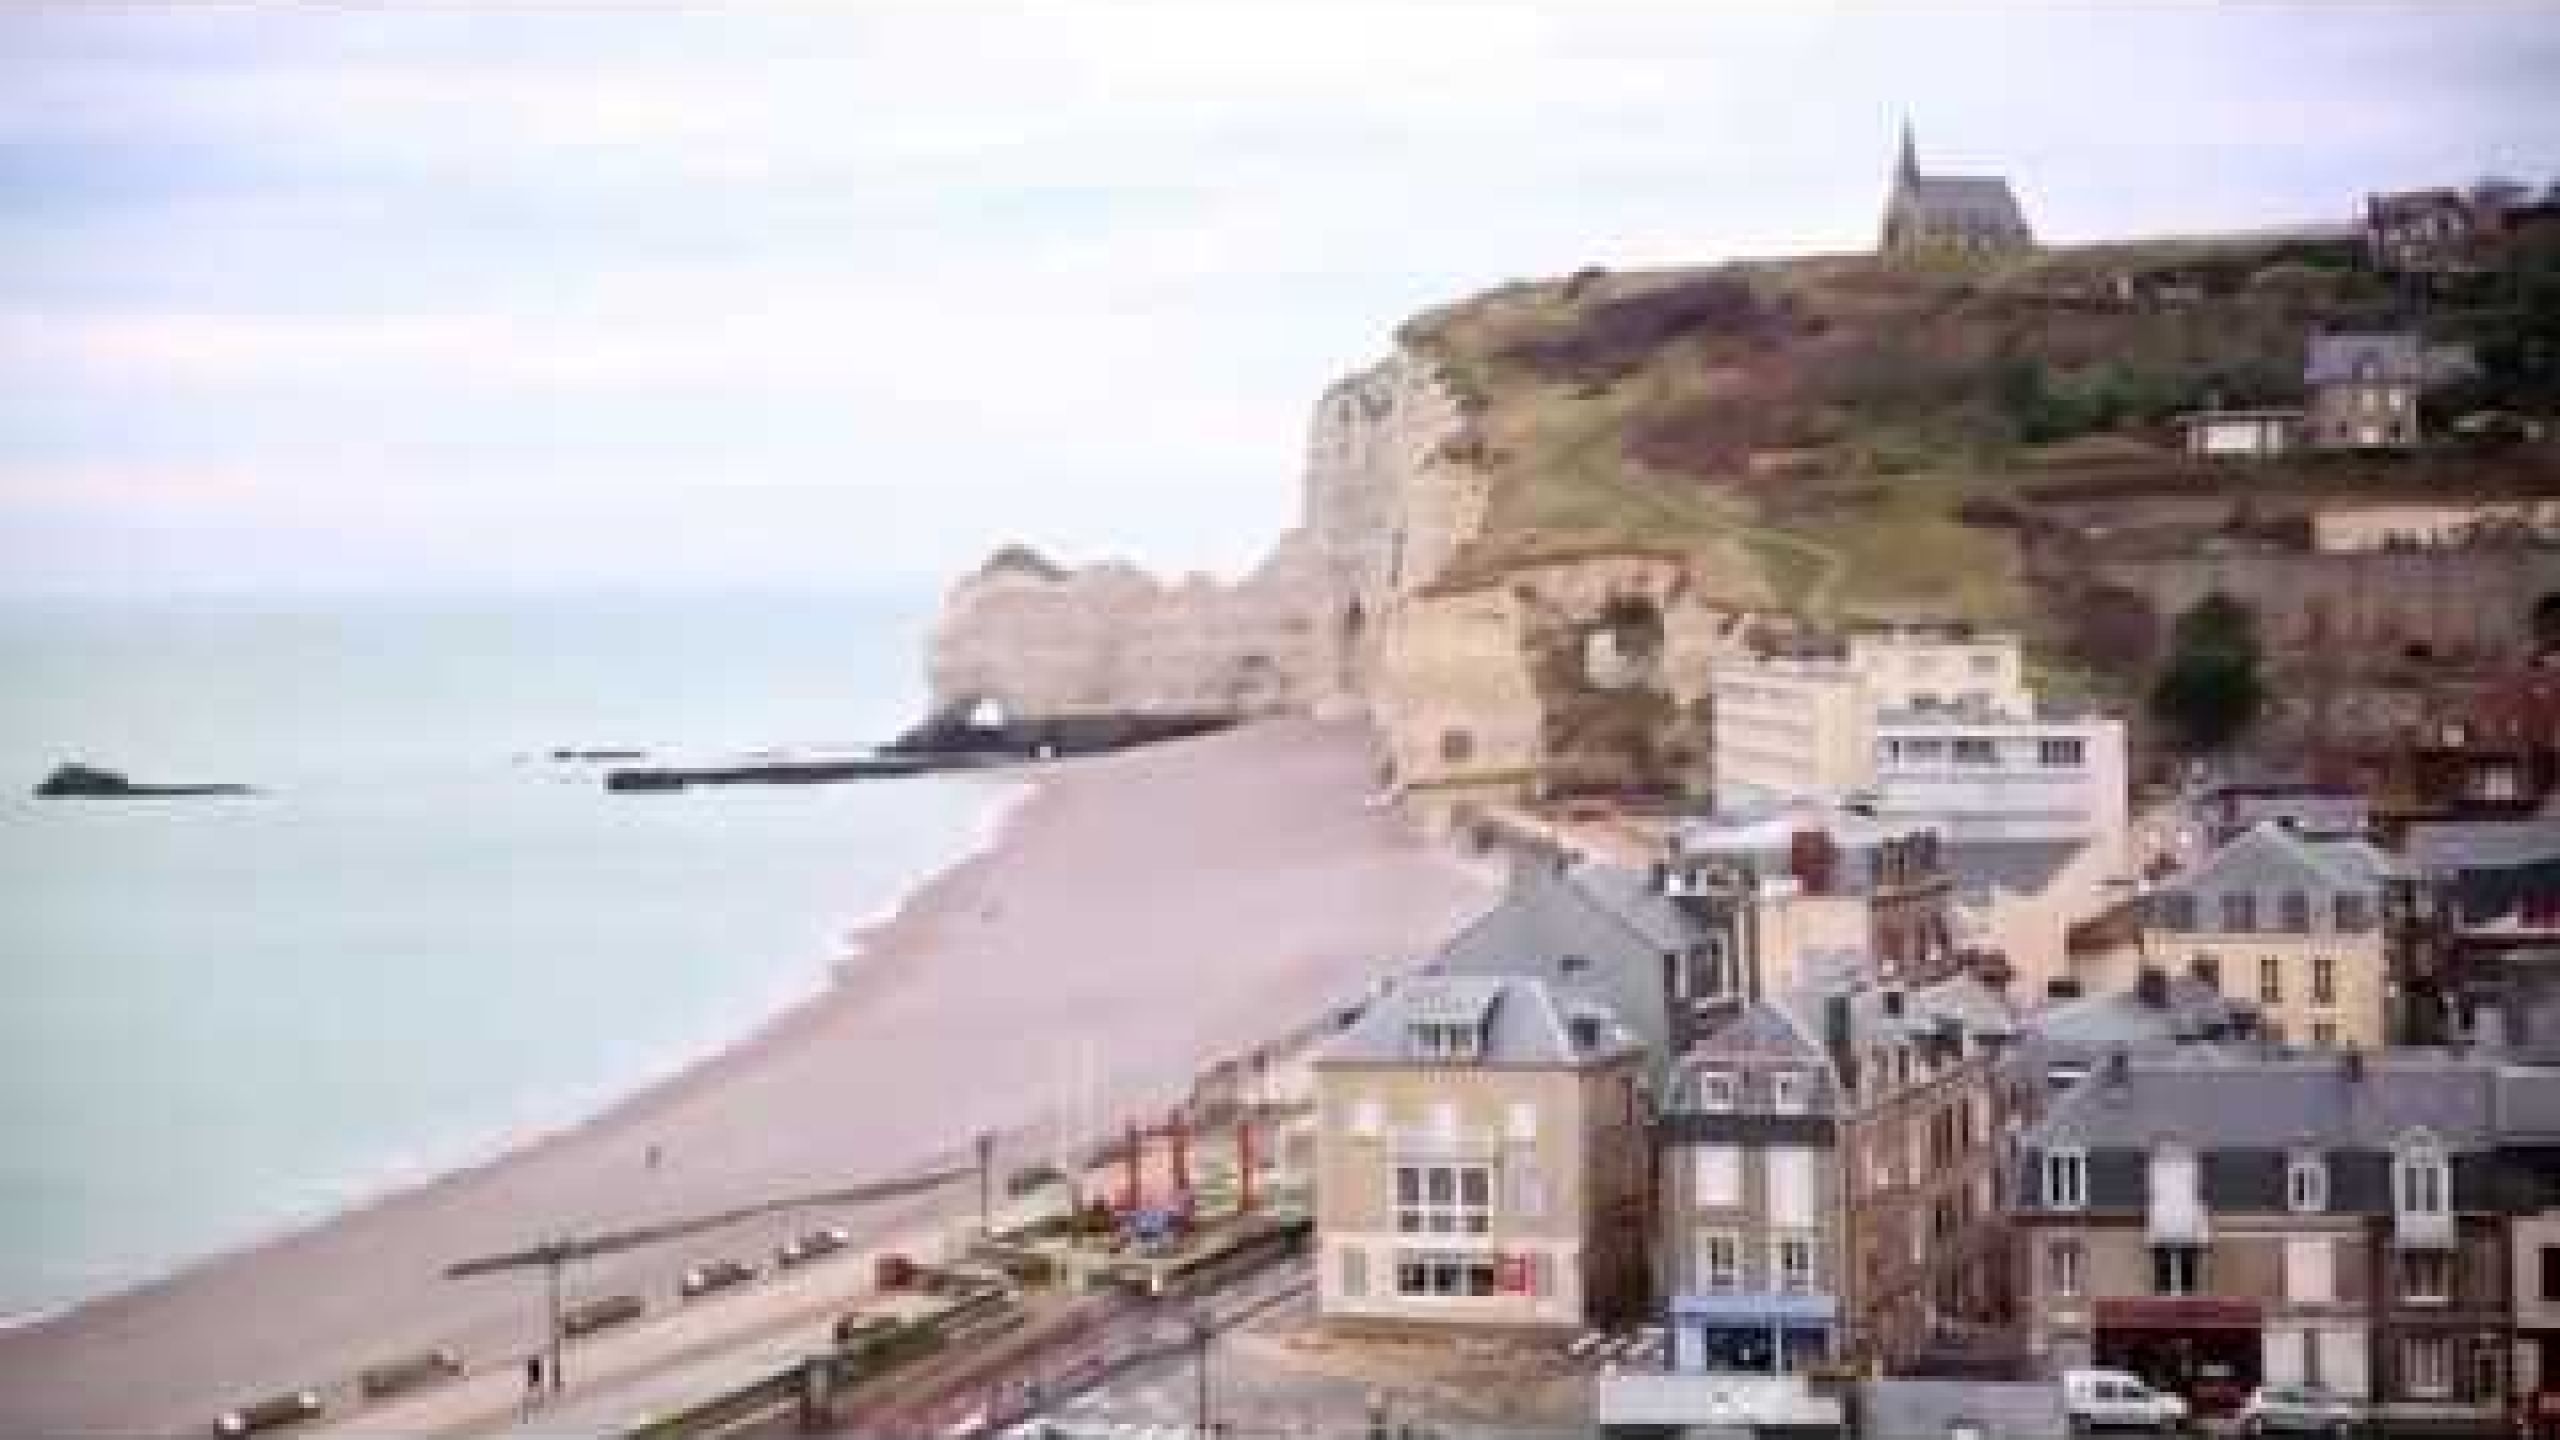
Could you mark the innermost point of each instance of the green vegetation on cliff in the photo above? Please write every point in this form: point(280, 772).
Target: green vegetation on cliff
point(1862, 428)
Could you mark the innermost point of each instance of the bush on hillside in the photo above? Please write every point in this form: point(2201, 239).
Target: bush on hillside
point(1617, 337)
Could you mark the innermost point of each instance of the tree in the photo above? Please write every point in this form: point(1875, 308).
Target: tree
point(2210, 692)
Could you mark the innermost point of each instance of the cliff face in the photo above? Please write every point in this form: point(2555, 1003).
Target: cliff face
point(1574, 668)
point(1382, 512)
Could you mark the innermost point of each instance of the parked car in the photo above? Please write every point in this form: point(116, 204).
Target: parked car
point(812, 1245)
point(2217, 1389)
point(2118, 1400)
point(713, 1275)
point(2299, 1410)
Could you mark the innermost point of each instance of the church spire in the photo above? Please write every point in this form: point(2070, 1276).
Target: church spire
point(1910, 168)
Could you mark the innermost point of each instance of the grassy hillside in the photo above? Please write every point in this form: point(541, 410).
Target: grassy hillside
point(1842, 417)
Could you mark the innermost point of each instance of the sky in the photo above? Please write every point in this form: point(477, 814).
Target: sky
point(443, 297)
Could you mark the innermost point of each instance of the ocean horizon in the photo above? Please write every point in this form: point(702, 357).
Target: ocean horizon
point(424, 941)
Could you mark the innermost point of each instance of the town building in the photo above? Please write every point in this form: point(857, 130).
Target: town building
point(2422, 230)
point(1481, 1160)
point(1766, 894)
point(2364, 390)
point(1982, 774)
point(1787, 728)
point(2290, 923)
point(1926, 667)
point(1950, 214)
point(2225, 809)
point(2256, 434)
point(2473, 917)
point(2213, 1224)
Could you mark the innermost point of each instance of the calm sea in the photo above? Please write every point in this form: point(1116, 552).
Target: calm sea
point(423, 939)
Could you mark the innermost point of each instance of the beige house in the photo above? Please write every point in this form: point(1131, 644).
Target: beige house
point(1791, 726)
point(2289, 923)
point(1481, 1159)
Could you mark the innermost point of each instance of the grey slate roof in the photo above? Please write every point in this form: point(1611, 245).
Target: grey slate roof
point(2267, 857)
point(1633, 897)
point(1978, 868)
point(1761, 1031)
point(1929, 1409)
point(2092, 1027)
point(2219, 1103)
point(1980, 199)
point(1526, 1022)
point(2436, 847)
point(2397, 356)
point(1550, 923)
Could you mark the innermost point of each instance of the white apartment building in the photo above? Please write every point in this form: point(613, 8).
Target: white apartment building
point(1985, 775)
point(1922, 669)
point(1787, 730)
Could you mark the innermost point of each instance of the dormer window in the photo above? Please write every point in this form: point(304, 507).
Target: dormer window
point(1440, 1040)
point(2176, 910)
point(2297, 911)
point(2239, 912)
point(1716, 1090)
point(2421, 1180)
point(2066, 1179)
point(1787, 1092)
point(2306, 1182)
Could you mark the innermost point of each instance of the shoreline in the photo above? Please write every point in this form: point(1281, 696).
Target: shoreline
point(829, 1090)
point(560, 1118)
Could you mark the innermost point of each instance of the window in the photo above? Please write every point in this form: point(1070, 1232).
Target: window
point(2066, 1179)
point(2495, 782)
point(2207, 968)
point(1521, 1121)
point(2060, 753)
point(1976, 751)
point(2239, 912)
point(1430, 1273)
point(1456, 746)
point(1715, 1089)
point(1795, 1265)
point(1438, 1041)
point(1368, 1119)
point(2353, 912)
point(1790, 1182)
point(2324, 980)
point(2306, 1183)
point(1355, 1271)
point(1718, 975)
point(1718, 1262)
point(2551, 1272)
point(1717, 1176)
point(1528, 1191)
point(1786, 1092)
point(2176, 1269)
point(1444, 1199)
point(2420, 1181)
point(2177, 910)
point(2324, 1035)
point(2296, 910)
point(2064, 1260)
point(1984, 664)
point(2426, 1276)
point(2270, 979)
point(2310, 1273)
point(2426, 1364)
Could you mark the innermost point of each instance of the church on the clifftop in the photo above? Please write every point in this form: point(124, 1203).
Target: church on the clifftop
point(1950, 214)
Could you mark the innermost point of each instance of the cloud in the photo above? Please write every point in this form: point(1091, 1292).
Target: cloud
point(955, 274)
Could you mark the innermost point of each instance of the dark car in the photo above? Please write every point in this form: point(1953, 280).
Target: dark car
point(713, 1275)
point(2300, 1410)
point(812, 1246)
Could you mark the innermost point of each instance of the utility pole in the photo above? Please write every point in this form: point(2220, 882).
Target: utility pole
point(1202, 1332)
point(987, 1184)
point(559, 1257)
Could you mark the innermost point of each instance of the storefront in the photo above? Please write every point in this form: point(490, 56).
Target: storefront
point(2209, 1351)
point(1751, 1334)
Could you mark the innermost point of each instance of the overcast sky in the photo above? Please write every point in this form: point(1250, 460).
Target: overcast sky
point(428, 296)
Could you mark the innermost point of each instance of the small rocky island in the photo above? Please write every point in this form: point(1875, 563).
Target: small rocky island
point(89, 782)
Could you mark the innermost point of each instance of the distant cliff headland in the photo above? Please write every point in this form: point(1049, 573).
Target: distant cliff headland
point(1527, 530)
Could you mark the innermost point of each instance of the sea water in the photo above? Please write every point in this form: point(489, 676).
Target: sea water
point(423, 938)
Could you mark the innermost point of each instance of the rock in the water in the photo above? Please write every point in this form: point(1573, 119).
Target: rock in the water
point(87, 781)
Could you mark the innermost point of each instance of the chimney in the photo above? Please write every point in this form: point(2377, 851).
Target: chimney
point(2119, 1075)
point(1812, 859)
point(2151, 987)
point(1836, 1038)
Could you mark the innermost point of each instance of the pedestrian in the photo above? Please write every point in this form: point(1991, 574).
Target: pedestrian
point(532, 1383)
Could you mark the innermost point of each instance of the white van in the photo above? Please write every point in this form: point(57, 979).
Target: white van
point(2118, 1400)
